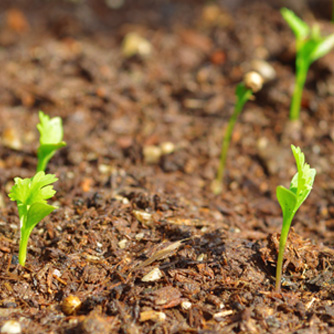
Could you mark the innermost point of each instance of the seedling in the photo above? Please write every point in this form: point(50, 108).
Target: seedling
point(244, 91)
point(31, 197)
point(51, 139)
point(290, 200)
point(310, 46)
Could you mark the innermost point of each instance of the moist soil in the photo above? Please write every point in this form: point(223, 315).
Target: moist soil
point(123, 213)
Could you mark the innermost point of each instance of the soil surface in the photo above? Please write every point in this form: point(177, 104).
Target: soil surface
point(139, 243)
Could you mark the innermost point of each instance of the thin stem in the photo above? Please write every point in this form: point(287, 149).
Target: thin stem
point(282, 244)
point(23, 247)
point(301, 73)
point(41, 166)
point(241, 100)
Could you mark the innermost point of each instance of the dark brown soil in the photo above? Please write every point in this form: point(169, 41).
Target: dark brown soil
point(119, 216)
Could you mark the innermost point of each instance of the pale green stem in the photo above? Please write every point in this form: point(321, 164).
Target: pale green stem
point(282, 244)
point(24, 237)
point(228, 135)
point(301, 73)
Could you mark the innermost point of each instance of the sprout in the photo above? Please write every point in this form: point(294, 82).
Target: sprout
point(31, 197)
point(252, 83)
point(290, 200)
point(310, 46)
point(51, 139)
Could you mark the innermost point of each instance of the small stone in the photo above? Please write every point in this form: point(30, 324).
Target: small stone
point(11, 327)
point(167, 147)
point(11, 139)
point(153, 275)
point(144, 217)
point(201, 257)
point(139, 236)
point(152, 315)
point(122, 243)
point(152, 154)
point(222, 314)
point(70, 305)
point(134, 44)
point(186, 305)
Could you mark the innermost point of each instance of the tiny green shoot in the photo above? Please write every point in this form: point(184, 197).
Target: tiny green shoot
point(31, 196)
point(51, 139)
point(244, 92)
point(310, 46)
point(290, 200)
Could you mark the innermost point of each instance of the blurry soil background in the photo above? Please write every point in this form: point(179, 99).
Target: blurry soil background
point(139, 238)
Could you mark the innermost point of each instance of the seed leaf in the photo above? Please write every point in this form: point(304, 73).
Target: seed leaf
point(287, 200)
point(51, 139)
point(297, 25)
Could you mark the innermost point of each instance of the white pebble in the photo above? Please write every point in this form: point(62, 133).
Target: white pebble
point(11, 327)
point(122, 243)
point(153, 275)
point(152, 154)
point(186, 305)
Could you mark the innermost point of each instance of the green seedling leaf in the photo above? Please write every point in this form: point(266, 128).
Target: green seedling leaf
point(322, 48)
point(31, 196)
point(287, 200)
point(51, 139)
point(297, 25)
point(290, 200)
point(310, 46)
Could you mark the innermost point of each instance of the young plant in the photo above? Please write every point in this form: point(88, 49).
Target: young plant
point(310, 46)
point(51, 139)
point(244, 92)
point(31, 197)
point(290, 200)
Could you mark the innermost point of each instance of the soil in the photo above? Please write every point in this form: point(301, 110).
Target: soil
point(139, 241)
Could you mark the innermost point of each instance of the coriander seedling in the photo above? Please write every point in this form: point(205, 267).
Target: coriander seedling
point(290, 200)
point(51, 139)
point(310, 46)
point(244, 92)
point(31, 197)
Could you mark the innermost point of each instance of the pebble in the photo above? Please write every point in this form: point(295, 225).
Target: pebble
point(122, 243)
point(186, 305)
point(70, 305)
point(134, 44)
point(11, 327)
point(152, 315)
point(167, 147)
point(152, 154)
point(153, 275)
point(144, 217)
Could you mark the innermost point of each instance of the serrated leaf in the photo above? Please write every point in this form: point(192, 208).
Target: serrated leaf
point(302, 182)
point(36, 189)
point(297, 25)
